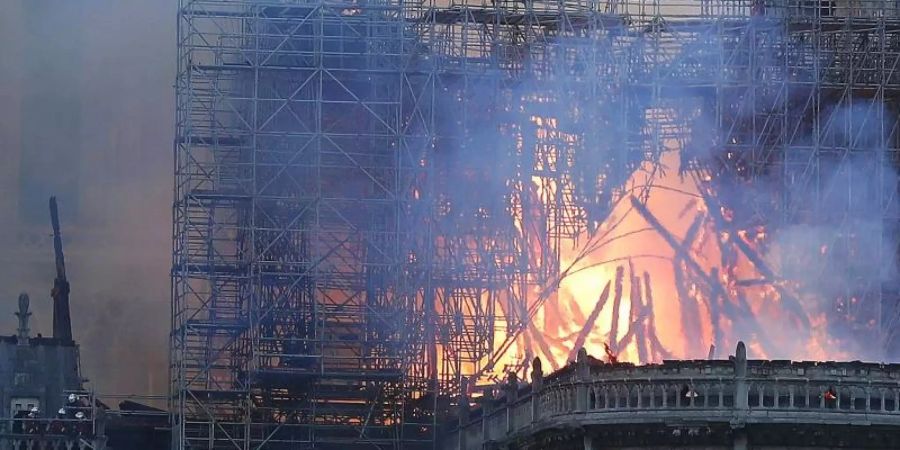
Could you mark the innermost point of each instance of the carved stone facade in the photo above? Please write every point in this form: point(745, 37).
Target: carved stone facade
point(702, 404)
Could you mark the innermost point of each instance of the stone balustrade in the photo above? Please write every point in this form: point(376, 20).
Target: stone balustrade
point(735, 391)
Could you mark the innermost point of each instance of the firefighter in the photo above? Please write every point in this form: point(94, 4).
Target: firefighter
point(82, 425)
point(32, 421)
point(830, 395)
point(688, 392)
point(74, 405)
point(58, 425)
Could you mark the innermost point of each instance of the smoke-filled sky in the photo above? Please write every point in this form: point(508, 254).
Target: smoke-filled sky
point(86, 113)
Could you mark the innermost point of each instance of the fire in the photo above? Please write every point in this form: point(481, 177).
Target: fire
point(669, 273)
point(632, 243)
point(704, 292)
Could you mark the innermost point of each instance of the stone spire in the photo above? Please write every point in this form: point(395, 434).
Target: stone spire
point(24, 315)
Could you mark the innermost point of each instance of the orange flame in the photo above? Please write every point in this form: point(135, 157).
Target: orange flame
point(662, 300)
point(686, 322)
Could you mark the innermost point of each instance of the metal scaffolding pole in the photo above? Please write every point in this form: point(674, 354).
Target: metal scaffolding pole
point(371, 198)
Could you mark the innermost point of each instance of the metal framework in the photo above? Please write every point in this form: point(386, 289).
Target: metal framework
point(371, 196)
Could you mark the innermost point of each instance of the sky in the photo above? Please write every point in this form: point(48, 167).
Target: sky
point(86, 113)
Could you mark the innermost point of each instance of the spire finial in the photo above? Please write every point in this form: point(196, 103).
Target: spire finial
point(23, 314)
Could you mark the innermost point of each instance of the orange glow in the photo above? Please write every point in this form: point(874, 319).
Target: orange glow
point(631, 292)
point(627, 240)
point(630, 238)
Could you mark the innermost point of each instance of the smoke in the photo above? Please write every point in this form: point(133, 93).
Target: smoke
point(837, 243)
point(812, 199)
point(86, 108)
point(86, 114)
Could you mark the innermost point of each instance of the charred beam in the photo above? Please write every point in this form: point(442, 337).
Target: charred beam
point(651, 317)
point(690, 315)
point(639, 313)
point(682, 252)
point(617, 304)
point(589, 324)
point(790, 301)
point(715, 312)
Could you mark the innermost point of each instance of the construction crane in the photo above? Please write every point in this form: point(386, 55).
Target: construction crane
point(62, 322)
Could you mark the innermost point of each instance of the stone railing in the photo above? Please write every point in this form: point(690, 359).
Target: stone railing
point(721, 391)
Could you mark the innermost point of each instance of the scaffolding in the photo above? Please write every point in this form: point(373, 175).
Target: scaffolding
point(371, 196)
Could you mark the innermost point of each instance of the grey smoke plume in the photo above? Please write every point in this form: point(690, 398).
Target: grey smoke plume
point(824, 211)
point(838, 242)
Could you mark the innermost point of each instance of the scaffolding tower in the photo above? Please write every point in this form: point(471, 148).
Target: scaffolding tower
point(371, 196)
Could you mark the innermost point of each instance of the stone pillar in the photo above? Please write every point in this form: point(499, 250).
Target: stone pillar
point(582, 378)
point(740, 378)
point(740, 439)
point(487, 407)
point(512, 387)
point(589, 442)
point(537, 386)
point(23, 315)
point(512, 394)
point(740, 397)
point(100, 422)
point(463, 413)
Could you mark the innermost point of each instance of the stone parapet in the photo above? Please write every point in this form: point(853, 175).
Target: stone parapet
point(735, 392)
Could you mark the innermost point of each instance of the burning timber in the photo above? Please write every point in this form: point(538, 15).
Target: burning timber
point(713, 404)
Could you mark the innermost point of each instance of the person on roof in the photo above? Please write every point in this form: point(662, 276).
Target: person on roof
point(32, 421)
point(58, 425)
point(82, 425)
